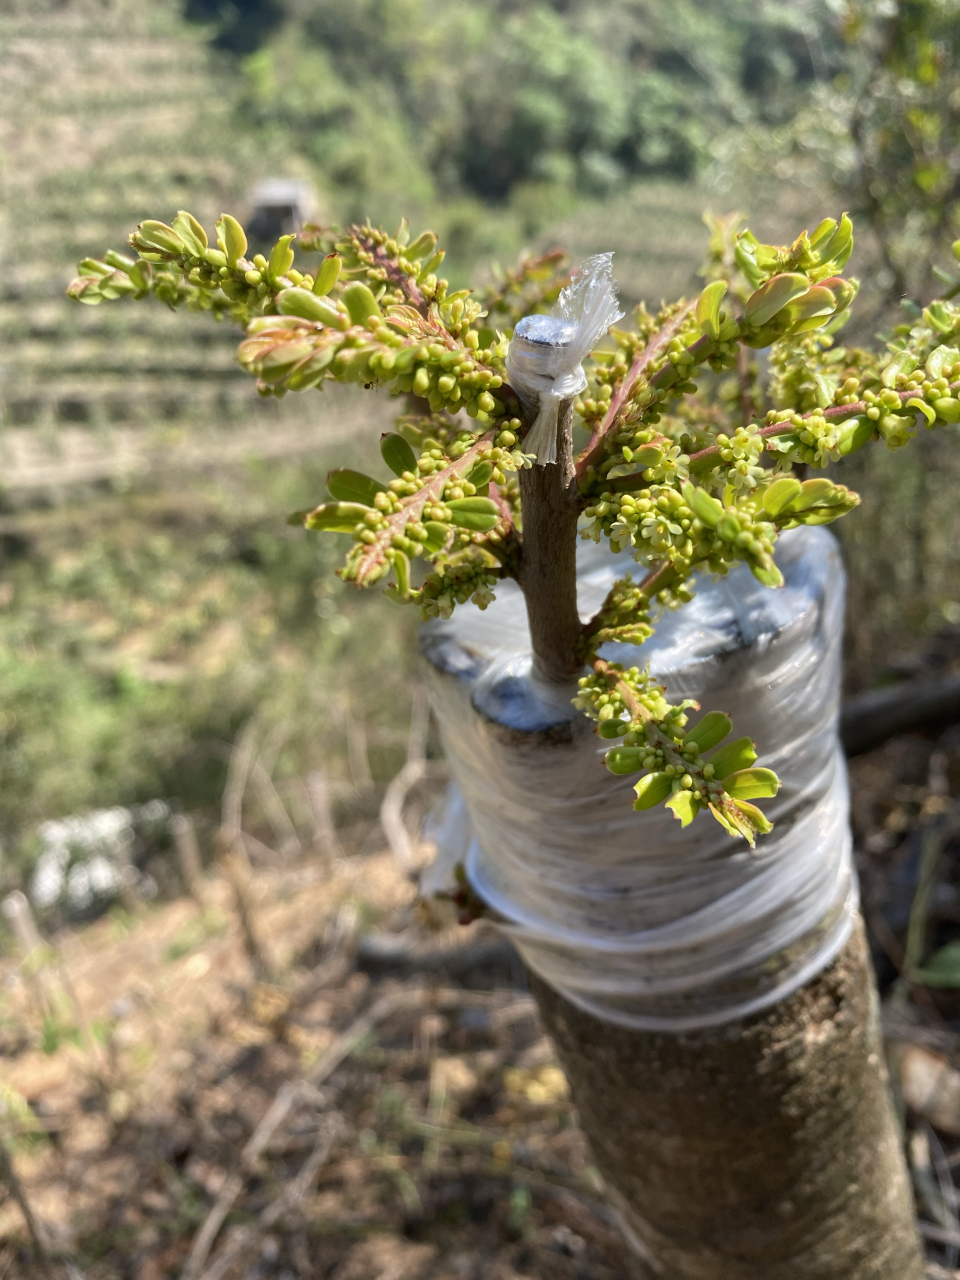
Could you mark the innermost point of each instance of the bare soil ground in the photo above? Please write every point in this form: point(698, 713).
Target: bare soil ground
point(355, 1088)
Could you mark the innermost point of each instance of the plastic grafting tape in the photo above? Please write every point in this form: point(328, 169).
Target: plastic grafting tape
point(546, 353)
point(627, 914)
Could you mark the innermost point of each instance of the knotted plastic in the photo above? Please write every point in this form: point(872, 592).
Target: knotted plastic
point(544, 360)
point(627, 914)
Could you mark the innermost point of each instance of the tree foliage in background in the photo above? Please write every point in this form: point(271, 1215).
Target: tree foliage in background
point(425, 98)
point(884, 127)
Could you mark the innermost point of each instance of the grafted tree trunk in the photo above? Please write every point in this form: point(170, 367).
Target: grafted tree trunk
point(765, 1149)
point(548, 570)
point(762, 1149)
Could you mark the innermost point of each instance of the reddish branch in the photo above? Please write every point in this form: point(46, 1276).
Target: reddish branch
point(641, 361)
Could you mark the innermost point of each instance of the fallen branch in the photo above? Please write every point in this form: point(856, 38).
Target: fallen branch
point(35, 1228)
point(869, 719)
point(391, 811)
point(325, 838)
point(292, 1195)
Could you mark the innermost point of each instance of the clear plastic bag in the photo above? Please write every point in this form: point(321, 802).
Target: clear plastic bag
point(546, 353)
point(629, 915)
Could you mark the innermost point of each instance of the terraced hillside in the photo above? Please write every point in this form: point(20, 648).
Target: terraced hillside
point(110, 113)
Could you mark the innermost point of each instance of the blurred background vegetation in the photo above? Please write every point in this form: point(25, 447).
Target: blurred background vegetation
point(152, 600)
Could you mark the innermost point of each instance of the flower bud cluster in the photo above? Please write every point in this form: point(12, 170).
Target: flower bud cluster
point(646, 698)
point(397, 269)
point(455, 583)
point(659, 523)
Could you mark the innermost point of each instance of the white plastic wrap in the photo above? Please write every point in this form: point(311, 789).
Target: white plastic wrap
point(627, 914)
point(546, 353)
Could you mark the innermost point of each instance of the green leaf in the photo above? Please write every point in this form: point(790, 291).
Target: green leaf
point(771, 298)
point(336, 517)
point(119, 261)
point(739, 754)
point(903, 363)
point(728, 527)
point(352, 486)
point(328, 274)
point(751, 784)
point(401, 571)
point(652, 790)
point(725, 822)
point(360, 302)
point(757, 818)
point(745, 256)
point(927, 410)
point(613, 728)
point(854, 435)
point(476, 514)
point(823, 232)
point(302, 303)
point(817, 303)
point(706, 508)
point(840, 245)
point(159, 236)
point(190, 232)
point(940, 359)
point(625, 759)
point(942, 969)
point(284, 356)
point(713, 728)
point(948, 409)
point(481, 473)
point(685, 806)
point(779, 494)
point(767, 575)
point(421, 248)
point(397, 454)
point(281, 259)
point(940, 316)
point(708, 308)
point(437, 536)
point(815, 493)
point(232, 239)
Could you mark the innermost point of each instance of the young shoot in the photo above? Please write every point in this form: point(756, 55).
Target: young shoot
point(673, 446)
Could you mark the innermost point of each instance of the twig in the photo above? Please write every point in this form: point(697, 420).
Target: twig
point(35, 954)
point(276, 811)
point(391, 812)
point(419, 726)
point(357, 754)
point(325, 837)
point(241, 758)
point(291, 1196)
point(933, 840)
point(594, 450)
point(237, 872)
point(34, 1226)
point(188, 855)
point(947, 1194)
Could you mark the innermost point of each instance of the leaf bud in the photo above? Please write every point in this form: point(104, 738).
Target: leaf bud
point(191, 233)
point(158, 235)
point(328, 274)
point(232, 239)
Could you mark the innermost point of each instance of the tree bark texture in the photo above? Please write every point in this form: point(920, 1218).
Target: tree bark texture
point(548, 570)
point(765, 1149)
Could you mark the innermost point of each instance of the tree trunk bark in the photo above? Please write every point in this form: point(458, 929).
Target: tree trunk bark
point(548, 570)
point(765, 1149)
